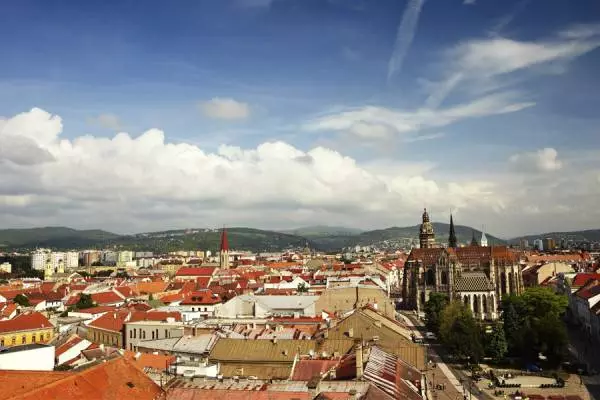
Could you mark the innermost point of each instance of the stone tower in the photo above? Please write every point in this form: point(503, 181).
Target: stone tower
point(426, 234)
point(224, 252)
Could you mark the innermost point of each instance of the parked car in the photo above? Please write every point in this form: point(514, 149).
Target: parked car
point(430, 336)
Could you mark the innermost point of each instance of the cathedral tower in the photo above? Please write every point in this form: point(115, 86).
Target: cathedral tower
point(224, 253)
point(426, 234)
point(452, 242)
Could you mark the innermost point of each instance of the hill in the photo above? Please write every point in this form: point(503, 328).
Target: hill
point(53, 237)
point(590, 235)
point(403, 236)
point(319, 231)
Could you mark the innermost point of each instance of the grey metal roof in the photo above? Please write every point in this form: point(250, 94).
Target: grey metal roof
point(473, 282)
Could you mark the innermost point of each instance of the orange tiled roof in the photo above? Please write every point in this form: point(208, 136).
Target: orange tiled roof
point(201, 297)
point(148, 360)
point(125, 291)
point(75, 340)
point(25, 322)
point(106, 298)
point(304, 370)
point(192, 271)
point(209, 394)
point(111, 321)
point(6, 309)
point(114, 379)
point(151, 287)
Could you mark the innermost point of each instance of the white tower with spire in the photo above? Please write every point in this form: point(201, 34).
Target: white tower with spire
point(484, 241)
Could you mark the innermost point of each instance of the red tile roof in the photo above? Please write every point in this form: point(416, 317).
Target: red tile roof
point(6, 309)
point(304, 370)
point(201, 297)
point(153, 315)
point(193, 271)
point(148, 360)
point(202, 282)
point(114, 379)
point(583, 278)
point(125, 291)
point(73, 341)
point(209, 394)
point(97, 310)
point(25, 322)
point(111, 321)
point(151, 287)
point(103, 298)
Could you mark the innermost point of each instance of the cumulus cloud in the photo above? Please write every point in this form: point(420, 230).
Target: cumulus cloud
point(108, 121)
point(128, 183)
point(225, 108)
point(543, 160)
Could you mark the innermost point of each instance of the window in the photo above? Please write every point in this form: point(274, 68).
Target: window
point(131, 334)
point(166, 333)
point(33, 339)
point(152, 335)
point(14, 340)
point(134, 335)
point(157, 333)
point(2, 342)
point(24, 339)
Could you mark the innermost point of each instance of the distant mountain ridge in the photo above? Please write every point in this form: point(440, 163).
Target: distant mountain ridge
point(323, 230)
point(321, 238)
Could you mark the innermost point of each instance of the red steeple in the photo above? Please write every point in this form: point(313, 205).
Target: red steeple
point(224, 241)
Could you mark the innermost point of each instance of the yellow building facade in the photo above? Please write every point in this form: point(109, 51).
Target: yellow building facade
point(18, 338)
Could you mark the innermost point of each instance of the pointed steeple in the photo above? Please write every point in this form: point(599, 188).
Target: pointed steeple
point(473, 240)
point(224, 241)
point(484, 241)
point(452, 242)
point(224, 253)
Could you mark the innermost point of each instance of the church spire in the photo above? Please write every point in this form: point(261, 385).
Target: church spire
point(224, 253)
point(426, 234)
point(473, 240)
point(452, 242)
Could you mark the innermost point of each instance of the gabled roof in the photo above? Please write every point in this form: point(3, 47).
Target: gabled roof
point(583, 278)
point(114, 379)
point(204, 297)
point(193, 271)
point(109, 297)
point(112, 321)
point(25, 322)
point(125, 291)
point(307, 369)
point(70, 343)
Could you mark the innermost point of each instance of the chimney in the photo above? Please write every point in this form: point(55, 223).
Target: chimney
point(358, 349)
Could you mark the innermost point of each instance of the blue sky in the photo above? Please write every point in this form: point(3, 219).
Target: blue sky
point(447, 91)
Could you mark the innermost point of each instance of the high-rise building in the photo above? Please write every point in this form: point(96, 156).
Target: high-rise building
point(39, 258)
point(538, 244)
point(549, 244)
point(71, 260)
point(426, 233)
point(90, 257)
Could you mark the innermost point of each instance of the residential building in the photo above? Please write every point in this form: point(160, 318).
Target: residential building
point(25, 328)
point(139, 331)
point(5, 268)
point(39, 258)
point(71, 260)
point(70, 349)
point(549, 244)
point(28, 357)
point(250, 305)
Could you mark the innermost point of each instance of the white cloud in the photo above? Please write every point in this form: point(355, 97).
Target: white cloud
point(404, 36)
point(130, 183)
point(581, 31)
point(543, 160)
point(490, 57)
point(109, 121)
point(225, 108)
point(381, 122)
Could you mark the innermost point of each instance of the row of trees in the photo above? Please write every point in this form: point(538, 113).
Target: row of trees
point(531, 324)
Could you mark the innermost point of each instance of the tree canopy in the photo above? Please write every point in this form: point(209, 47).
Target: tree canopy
point(21, 300)
point(460, 333)
point(433, 309)
point(533, 324)
point(85, 301)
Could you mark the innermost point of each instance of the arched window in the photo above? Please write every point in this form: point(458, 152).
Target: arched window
point(485, 304)
point(430, 277)
point(444, 278)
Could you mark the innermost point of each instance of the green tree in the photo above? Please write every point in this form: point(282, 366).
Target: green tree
point(495, 343)
point(459, 332)
point(85, 301)
point(533, 324)
point(302, 288)
point(21, 300)
point(433, 309)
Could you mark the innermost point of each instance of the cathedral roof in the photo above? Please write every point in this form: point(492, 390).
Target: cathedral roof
point(427, 256)
point(473, 282)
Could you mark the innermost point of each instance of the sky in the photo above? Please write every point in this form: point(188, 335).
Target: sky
point(137, 116)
